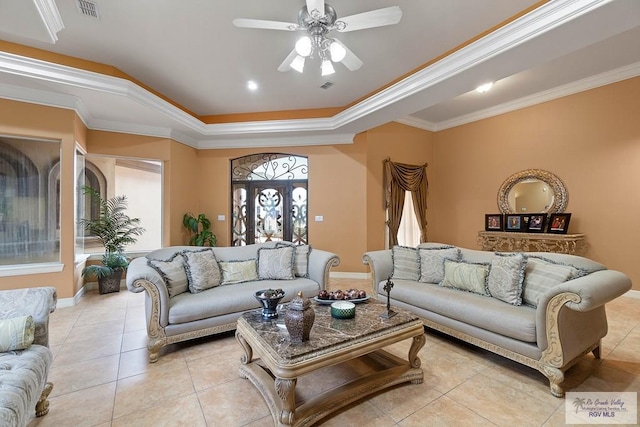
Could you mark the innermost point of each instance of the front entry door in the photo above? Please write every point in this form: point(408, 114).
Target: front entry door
point(273, 211)
point(270, 200)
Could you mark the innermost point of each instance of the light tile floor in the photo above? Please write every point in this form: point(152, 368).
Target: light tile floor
point(102, 377)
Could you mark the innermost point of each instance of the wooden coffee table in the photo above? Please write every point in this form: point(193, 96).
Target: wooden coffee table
point(273, 363)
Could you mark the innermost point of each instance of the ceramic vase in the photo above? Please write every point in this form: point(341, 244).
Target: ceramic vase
point(269, 304)
point(299, 318)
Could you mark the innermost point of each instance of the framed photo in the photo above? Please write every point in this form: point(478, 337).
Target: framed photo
point(559, 223)
point(493, 222)
point(515, 222)
point(537, 222)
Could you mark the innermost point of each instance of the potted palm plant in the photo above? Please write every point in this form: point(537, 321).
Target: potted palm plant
point(115, 230)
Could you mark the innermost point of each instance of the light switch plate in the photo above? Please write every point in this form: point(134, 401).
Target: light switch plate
point(221, 217)
point(319, 218)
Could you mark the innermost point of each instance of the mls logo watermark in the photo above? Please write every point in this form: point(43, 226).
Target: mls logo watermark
point(601, 408)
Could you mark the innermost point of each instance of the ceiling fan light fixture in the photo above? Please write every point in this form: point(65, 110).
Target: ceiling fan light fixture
point(298, 63)
point(337, 51)
point(327, 67)
point(304, 46)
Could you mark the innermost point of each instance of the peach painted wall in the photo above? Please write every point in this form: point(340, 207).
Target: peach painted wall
point(403, 144)
point(180, 173)
point(337, 177)
point(185, 188)
point(36, 121)
point(591, 140)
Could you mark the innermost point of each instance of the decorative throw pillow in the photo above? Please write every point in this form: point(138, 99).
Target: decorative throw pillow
point(16, 333)
point(172, 272)
point(238, 271)
point(506, 277)
point(466, 276)
point(276, 263)
point(406, 264)
point(202, 270)
point(432, 262)
point(541, 275)
point(301, 260)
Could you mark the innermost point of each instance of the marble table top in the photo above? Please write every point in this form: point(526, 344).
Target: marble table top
point(328, 334)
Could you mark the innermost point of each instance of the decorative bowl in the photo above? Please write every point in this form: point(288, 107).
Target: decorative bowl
point(343, 310)
point(269, 299)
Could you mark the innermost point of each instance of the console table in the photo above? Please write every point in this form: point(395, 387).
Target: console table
point(504, 241)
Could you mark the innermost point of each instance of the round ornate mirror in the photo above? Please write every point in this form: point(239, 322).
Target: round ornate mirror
point(532, 191)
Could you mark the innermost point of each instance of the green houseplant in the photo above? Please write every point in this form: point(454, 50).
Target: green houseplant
point(198, 228)
point(115, 230)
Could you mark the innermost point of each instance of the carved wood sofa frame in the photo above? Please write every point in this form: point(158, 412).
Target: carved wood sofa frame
point(568, 302)
point(320, 264)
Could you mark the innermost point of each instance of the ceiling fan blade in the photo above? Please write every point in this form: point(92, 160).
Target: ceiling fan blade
point(351, 61)
point(265, 25)
point(315, 5)
point(286, 64)
point(374, 18)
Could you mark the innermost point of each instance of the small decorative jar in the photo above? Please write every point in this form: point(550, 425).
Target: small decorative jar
point(269, 299)
point(299, 318)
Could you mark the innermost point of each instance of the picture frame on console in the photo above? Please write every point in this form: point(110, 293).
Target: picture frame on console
point(515, 223)
point(493, 222)
point(559, 223)
point(537, 223)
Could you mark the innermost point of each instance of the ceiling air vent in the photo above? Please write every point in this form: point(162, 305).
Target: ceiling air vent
point(88, 8)
point(326, 85)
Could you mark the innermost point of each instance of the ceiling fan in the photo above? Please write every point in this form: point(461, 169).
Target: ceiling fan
point(318, 19)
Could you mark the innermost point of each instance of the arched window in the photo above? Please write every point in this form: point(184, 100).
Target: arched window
point(269, 198)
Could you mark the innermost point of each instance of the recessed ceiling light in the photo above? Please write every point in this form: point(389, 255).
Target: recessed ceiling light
point(251, 85)
point(485, 87)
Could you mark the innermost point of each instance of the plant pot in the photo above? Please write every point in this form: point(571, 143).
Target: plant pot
point(110, 283)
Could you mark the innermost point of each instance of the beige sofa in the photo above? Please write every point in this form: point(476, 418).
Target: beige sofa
point(559, 322)
point(24, 388)
point(173, 317)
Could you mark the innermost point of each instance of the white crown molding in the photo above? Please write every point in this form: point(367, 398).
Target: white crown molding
point(417, 123)
point(270, 126)
point(280, 141)
point(50, 17)
point(588, 83)
point(527, 27)
point(133, 128)
point(40, 97)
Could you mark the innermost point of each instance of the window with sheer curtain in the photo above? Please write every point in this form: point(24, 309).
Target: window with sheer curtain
point(409, 231)
point(400, 179)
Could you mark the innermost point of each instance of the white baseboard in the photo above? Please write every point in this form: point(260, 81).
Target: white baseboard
point(632, 294)
point(90, 286)
point(70, 302)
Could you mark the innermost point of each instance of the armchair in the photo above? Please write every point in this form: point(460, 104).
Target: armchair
point(23, 372)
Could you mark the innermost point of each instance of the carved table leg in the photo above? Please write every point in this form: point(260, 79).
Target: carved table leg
point(414, 361)
point(286, 390)
point(248, 351)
